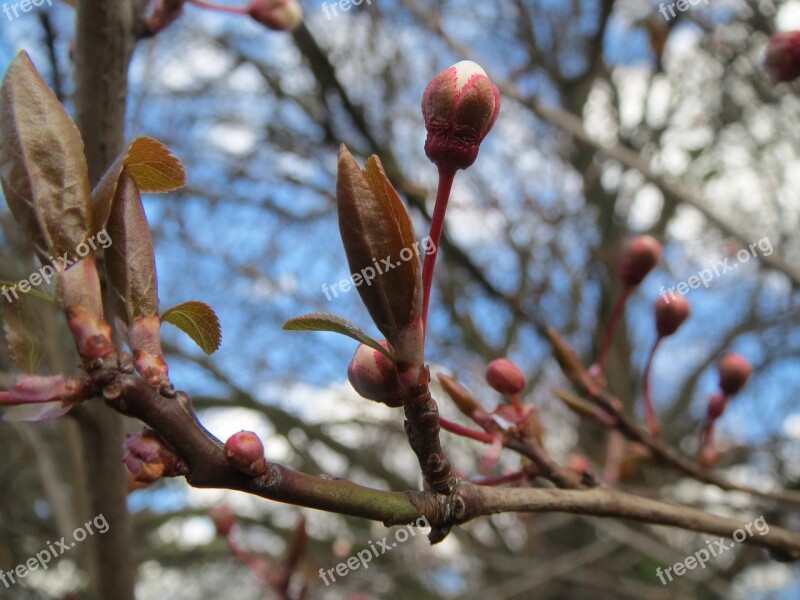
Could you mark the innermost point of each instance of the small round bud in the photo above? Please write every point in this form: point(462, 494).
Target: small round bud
point(638, 256)
point(280, 15)
point(245, 453)
point(670, 314)
point(782, 59)
point(716, 406)
point(505, 377)
point(373, 376)
point(223, 519)
point(734, 371)
point(460, 106)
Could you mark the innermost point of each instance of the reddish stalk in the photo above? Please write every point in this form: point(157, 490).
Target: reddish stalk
point(500, 479)
point(616, 313)
point(486, 438)
point(238, 10)
point(649, 413)
point(446, 176)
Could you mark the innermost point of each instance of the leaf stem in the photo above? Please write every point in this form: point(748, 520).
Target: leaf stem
point(486, 438)
point(616, 313)
point(649, 412)
point(239, 10)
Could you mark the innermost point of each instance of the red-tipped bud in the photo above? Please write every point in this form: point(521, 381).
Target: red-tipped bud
point(41, 398)
point(245, 453)
point(372, 375)
point(148, 459)
point(670, 314)
point(716, 406)
point(782, 59)
point(734, 371)
point(460, 106)
point(223, 519)
point(281, 15)
point(638, 256)
point(505, 377)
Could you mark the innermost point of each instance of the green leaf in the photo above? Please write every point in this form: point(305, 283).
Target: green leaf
point(326, 322)
point(375, 227)
point(23, 333)
point(42, 166)
point(151, 165)
point(130, 263)
point(197, 320)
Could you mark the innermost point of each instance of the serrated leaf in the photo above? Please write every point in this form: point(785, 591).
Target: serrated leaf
point(197, 320)
point(336, 324)
point(23, 334)
point(42, 166)
point(130, 263)
point(151, 165)
point(375, 227)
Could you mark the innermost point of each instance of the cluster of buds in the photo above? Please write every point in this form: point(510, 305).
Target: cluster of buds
point(782, 58)
point(245, 453)
point(734, 371)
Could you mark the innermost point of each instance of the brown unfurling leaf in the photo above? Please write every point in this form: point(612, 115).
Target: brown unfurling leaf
point(130, 263)
point(197, 320)
point(23, 333)
point(335, 324)
point(375, 227)
point(151, 165)
point(42, 166)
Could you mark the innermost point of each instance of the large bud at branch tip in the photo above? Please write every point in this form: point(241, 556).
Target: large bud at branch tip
point(670, 314)
point(460, 106)
point(281, 15)
point(734, 371)
point(373, 376)
point(505, 377)
point(245, 453)
point(639, 255)
point(782, 59)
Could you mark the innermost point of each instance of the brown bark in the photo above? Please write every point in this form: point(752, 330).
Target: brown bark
point(105, 40)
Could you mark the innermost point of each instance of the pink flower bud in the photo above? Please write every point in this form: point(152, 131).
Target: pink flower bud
point(505, 377)
point(716, 406)
point(460, 106)
point(245, 453)
point(223, 519)
point(639, 255)
point(373, 375)
point(281, 15)
point(148, 459)
point(734, 371)
point(670, 314)
point(782, 59)
point(50, 397)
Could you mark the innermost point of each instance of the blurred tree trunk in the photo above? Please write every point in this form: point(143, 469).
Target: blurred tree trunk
point(104, 43)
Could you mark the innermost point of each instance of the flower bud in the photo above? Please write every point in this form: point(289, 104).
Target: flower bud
point(782, 59)
point(372, 375)
point(245, 453)
point(734, 371)
point(670, 314)
point(716, 406)
point(148, 459)
point(41, 398)
point(639, 255)
point(505, 377)
point(281, 15)
point(460, 106)
point(223, 519)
